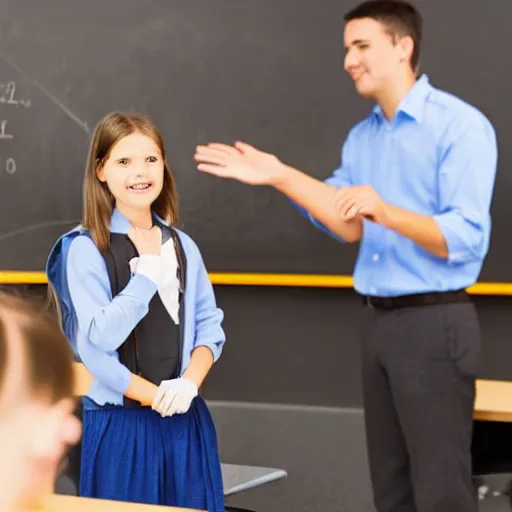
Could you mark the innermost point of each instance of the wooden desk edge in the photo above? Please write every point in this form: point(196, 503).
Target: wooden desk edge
point(495, 409)
point(64, 503)
point(500, 416)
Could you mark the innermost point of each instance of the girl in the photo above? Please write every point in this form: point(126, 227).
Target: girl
point(139, 310)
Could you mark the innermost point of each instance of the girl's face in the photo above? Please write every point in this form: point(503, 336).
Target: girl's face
point(134, 172)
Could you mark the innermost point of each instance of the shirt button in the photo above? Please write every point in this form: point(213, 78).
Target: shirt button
point(373, 290)
point(376, 257)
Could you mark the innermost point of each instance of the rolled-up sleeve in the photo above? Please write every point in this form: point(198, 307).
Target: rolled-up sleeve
point(467, 175)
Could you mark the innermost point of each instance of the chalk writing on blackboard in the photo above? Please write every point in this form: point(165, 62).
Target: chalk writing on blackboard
point(3, 131)
point(10, 166)
point(9, 96)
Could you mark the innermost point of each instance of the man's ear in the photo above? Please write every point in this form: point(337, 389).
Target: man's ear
point(406, 45)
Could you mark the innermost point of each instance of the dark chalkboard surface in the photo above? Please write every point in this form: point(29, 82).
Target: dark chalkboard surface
point(268, 72)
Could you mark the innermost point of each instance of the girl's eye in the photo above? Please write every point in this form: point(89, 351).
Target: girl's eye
point(123, 161)
point(152, 159)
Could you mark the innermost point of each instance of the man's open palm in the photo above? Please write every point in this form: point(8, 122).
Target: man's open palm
point(241, 162)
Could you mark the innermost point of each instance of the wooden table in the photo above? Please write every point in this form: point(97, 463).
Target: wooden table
point(491, 449)
point(59, 503)
point(493, 401)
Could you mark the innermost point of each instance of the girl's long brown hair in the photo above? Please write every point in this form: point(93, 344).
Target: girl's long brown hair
point(98, 200)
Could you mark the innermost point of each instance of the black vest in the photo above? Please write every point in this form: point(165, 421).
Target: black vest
point(153, 350)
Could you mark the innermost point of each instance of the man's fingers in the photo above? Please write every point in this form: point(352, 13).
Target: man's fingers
point(216, 170)
point(367, 211)
point(355, 208)
point(352, 212)
point(208, 153)
point(222, 148)
point(362, 208)
point(345, 194)
point(345, 204)
point(239, 147)
point(211, 159)
point(347, 198)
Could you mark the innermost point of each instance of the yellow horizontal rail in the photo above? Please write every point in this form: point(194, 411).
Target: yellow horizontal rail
point(308, 280)
point(248, 279)
point(13, 277)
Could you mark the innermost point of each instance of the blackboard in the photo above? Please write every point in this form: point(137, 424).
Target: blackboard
point(268, 72)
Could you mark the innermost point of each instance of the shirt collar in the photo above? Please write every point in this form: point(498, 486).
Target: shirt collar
point(414, 102)
point(120, 224)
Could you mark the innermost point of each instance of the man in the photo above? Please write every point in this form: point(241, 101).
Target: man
point(36, 403)
point(414, 187)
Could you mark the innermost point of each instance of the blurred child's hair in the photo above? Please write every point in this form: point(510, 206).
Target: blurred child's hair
point(48, 359)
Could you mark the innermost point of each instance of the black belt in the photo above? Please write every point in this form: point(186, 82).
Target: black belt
point(416, 300)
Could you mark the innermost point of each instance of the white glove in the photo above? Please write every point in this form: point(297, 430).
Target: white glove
point(174, 397)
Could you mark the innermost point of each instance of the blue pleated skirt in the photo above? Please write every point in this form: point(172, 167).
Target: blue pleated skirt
point(133, 454)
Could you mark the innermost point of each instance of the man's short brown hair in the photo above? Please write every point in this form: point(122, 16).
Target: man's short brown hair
point(400, 18)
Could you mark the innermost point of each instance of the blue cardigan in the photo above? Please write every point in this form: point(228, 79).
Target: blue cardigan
point(96, 324)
